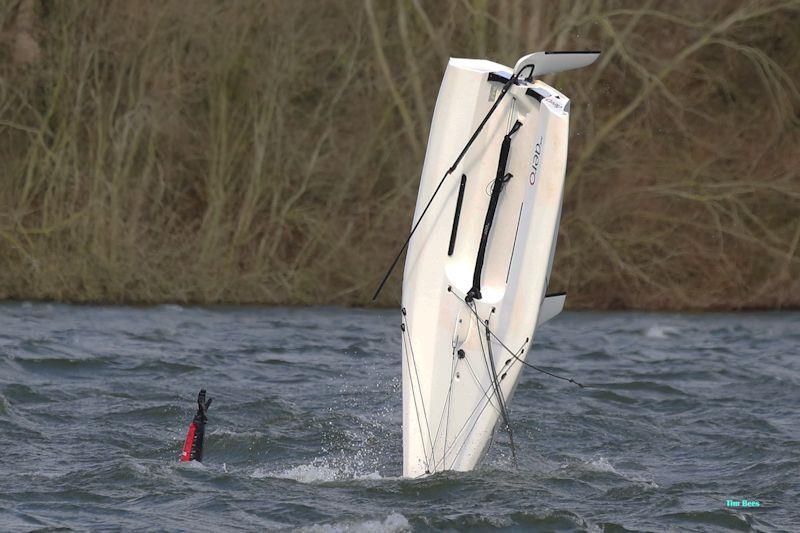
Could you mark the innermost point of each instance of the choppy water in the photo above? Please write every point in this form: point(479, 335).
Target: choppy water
point(683, 412)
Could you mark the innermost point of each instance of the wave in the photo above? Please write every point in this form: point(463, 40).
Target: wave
point(602, 465)
point(171, 307)
point(394, 523)
point(63, 364)
point(317, 473)
point(657, 331)
point(237, 434)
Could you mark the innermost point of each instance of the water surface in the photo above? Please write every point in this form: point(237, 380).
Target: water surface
point(680, 414)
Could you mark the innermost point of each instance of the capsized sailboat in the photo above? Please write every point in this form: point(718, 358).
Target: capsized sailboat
point(480, 253)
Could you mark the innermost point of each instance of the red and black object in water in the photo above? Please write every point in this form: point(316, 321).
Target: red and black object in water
point(193, 447)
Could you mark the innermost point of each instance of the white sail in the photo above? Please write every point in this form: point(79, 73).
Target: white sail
point(457, 280)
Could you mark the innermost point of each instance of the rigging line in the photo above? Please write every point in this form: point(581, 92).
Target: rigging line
point(480, 386)
point(478, 381)
point(515, 356)
point(421, 397)
point(449, 171)
point(454, 364)
point(505, 368)
point(493, 372)
point(482, 405)
point(501, 400)
point(446, 404)
point(488, 402)
point(419, 383)
point(474, 423)
point(414, 396)
point(486, 362)
point(487, 397)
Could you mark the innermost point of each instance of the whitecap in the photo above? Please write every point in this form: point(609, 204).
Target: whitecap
point(172, 307)
point(394, 523)
point(601, 464)
point(196, 465)
point(316, 473)
point(657, 331)
point(236, 434)
point(309, 474)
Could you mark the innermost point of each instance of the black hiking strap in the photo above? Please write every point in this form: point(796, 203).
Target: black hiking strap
point(499, 182)
point(512, 80)
point(459, 202)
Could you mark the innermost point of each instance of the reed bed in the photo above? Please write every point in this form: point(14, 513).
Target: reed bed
point(269, 151)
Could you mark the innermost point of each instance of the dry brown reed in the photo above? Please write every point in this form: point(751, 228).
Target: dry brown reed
point(269, 152)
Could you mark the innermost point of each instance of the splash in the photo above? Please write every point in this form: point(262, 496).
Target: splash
point(317, 472)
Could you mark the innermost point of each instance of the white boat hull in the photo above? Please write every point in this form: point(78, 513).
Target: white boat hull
point(450, 405)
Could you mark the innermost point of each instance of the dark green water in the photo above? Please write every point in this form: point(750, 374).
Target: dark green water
point(683, 413)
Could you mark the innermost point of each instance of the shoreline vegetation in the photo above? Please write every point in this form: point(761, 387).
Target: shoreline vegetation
point(268, 152)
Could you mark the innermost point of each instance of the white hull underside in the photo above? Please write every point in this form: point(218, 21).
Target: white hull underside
point(450, 401)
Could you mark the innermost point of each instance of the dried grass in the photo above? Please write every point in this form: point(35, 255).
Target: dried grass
point(269, 151)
